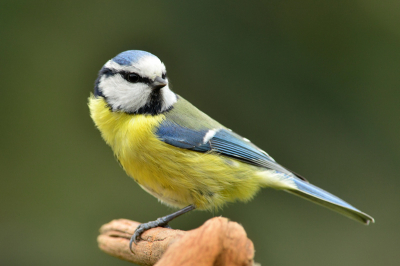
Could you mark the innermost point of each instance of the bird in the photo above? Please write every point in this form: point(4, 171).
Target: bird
point(180, 155)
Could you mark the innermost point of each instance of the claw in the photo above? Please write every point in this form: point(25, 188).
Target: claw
point(136, 235)
point(130, 244)
point(160, 222)
point(144, 227)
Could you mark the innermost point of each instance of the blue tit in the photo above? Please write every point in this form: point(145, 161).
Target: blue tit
point(179, 154)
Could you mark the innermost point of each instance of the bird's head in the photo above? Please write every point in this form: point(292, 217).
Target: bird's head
point(135, 82)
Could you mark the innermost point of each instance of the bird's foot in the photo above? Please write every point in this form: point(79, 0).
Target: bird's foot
point(160, 222)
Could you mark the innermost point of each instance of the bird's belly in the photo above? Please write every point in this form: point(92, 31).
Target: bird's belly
point(165, 196)
point(179, 177)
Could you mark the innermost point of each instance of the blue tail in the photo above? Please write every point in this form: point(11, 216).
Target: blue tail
point(326, 199)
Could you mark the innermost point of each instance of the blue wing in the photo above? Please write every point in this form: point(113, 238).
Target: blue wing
point(219, 140)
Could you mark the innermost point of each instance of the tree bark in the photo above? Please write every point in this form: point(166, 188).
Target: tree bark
point(216, 242)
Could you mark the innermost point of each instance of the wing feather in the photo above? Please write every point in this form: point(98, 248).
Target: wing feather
point(224, 142)
point(187, 127)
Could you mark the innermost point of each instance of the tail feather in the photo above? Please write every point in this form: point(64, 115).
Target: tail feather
point(326, 199)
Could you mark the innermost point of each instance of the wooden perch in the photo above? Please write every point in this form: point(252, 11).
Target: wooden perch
point(216, 242)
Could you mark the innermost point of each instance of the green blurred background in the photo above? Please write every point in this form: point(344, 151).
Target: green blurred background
point(314, 83)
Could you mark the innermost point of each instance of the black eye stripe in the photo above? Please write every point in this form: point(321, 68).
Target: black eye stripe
point(140, 79)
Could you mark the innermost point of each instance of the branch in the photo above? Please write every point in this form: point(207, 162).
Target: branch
point(216, 242)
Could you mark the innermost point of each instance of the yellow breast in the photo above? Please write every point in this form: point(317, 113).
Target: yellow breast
point(178, 177)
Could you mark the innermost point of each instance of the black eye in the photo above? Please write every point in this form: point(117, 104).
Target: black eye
point(164, 75)
point(132, 77)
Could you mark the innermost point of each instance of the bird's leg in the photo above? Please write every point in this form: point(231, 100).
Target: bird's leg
point(160, 222)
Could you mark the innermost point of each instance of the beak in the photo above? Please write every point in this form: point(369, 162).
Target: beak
point(158, 83)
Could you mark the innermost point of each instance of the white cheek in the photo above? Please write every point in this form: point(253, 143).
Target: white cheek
point(123, 95)
point(169, 98)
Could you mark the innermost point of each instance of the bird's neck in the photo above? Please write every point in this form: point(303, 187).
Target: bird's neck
point(120, 127)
